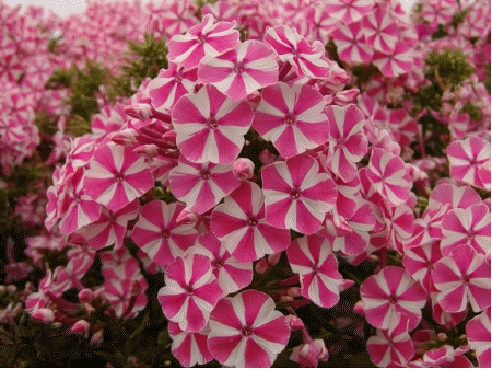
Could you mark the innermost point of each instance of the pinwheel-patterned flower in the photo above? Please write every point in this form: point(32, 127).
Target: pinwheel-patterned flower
point(455, 196)
point(119, 293)
point(466, 157)
point(478, 336)
point(202, 39)
point(239, 72)
point(389, 176)
point(348, 11)
point(392, 347)
point(111, 227)
point(471, 226)
point(202, 185)
point(311, 258)
point(347, 141)
point(169, 85)
point(390, 292)
point(241, 225)
point(190, 292)
point(117, 176)
point(210, 127)
point(189, 348)
point(419, 261)
point(158, 234)
point(392, 65)
point(460, 277)
point(351, 43)
point(247, 331)
point(297, 196)
point(446, 356)
point(306, 59)
point(380, 30)
point(292, 118)
point(232, 275)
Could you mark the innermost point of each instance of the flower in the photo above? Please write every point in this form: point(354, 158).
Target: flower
point(209, 126)
point(241, 225)
point(309, 354)
point(478, 336)
point(292, 118)
point(351, 43)
point(380, 29)
point(297, 196)
point(189, 348)
point(419, 261)
point(390, 292)
point(460, 277)
point(190, 292)
point(311, 258)
point(247, 331)
point(158, 234)
point(392, 65)
point(239, 72)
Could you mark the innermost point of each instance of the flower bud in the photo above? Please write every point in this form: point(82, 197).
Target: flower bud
point(442, 337)
point(295, 322)
point(294, 292)
point(148, 151)
point(261, 266)
point(266, 157)
point(243, 169)
point(187, 216)
point(81, 327)
point(97, 338)
point(140, 111)
point(125, 137)
point(308, 354)
point(273, 259)
point(43, 315)
point(86, 296)
point(359, 308)
point(170, 136)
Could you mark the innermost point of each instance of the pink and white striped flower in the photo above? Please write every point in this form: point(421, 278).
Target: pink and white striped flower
point(169, 85)
point(241, 225)
point(311, 258)
point(392, 347)
point(247, 331)
point(348, 11)
point(419, 262)
point(111, 227)
point(202, 185)
point(390, 292)
point(117, 176)
point(118, 292)
point(306, 59)
point(297, 196)
point(239, 72)
point(190, 292)
point(351, 43)
point(460, 277)
point(189, 348)
point(400, 61)
point(347, 142)
point(455, 196)
point(470, 226)
point(292, 118)
point(381, 30)
point(210, 126)
point(478, 336)
point(232, 275)
point(466, 157)
point(202, 39)
point(388, 176)
point(158, 234)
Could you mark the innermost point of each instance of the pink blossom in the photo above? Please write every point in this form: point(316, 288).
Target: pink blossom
point(202, 39)
point(202, 185)
point(158, 234)
point(243, 169)
point(460, 277)
point(117, 293)
point(43, 315)
point(400, 61)
point(81, 327)
point(348, 11)
point(189, 348)
point(311, 258)
point(390, 292)
point(297, 196)
point(445, 356)
point(292, 118)
point(419, 261)
point(241, 225)
point(478, 336)
point(455, 196)
point(190, 292)
point(210, 126)
point(471, 226)
point(380, 30)
point(117, 176)
point(347, 142)
point(351, 43)
point(309, 354)
point(306, 59)
point(466, 157)
point(247, 331)
point(239, 72)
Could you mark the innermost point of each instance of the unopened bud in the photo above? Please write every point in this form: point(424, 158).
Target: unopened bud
point(294, 292)
point(81, 327)
point(295, 322)
point(148, 151)
point(346, 284)
point(86, 296)
point(187, 216)
point(97, 338)
point(140, 111)
point(442, 337)
point(170, 136)
point(43, 315)
point(266, 157)
point(359, 308)
point(243, 169)
point(124, 137)
point(261, 266)
point(347, 96)
point(286, 299)
point(273, 259)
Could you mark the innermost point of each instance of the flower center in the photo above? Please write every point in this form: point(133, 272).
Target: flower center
point(205, 174)
point(212, 123)
point(296, 192)
point(289, 119)
point(165, 233)
point(189, 291)
point(119, 177)
point(315, 269)
point(247, 330)
point(202, 39)
point(218, 263)
point(253, 221)
point(239, 67)
point(393, 299)
point(465, 279)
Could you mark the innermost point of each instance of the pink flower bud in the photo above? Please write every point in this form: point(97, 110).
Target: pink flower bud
point(43, 315)
point(86, 296)
point(266, 157)
point(359, 308)
point(346, 97)
point(308, 354)
point(170, 136)
point(294, 292)
point(149, 151)
point(346, 284)
point(140, 111)
point(442, 337)
point(295, 322)
point(286, 299)
point(125, 137)
point(81, 327)
point(187, 216)
point(97, 338)
point(273, 259)
point(261, 266)
point(243, 169)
